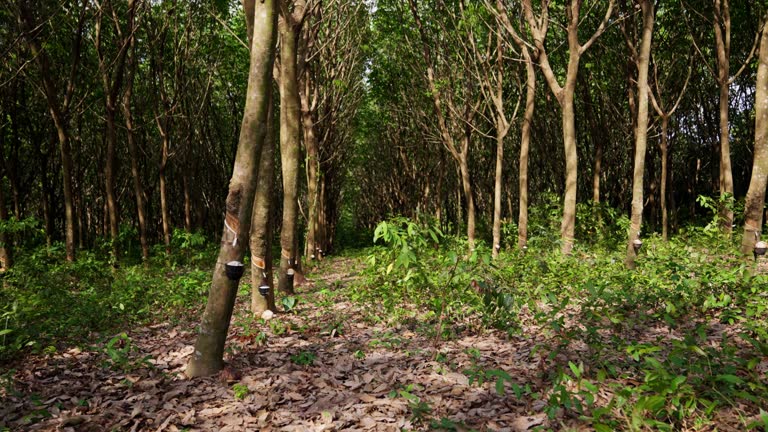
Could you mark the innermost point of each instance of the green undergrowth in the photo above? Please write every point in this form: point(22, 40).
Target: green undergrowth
point(668, 346)
point(47, 303)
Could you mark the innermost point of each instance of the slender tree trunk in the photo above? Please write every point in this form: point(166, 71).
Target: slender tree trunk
point(312, 164)
point(497, 189)
point(6, 249)
point(111, 78)
point(525, 142)
point(46, 186)
point(567, 227)
point(726, 174)
point(755, 201)
point(289, 148)
point(138, 190)
point(501, 131)
point(69, 207)
point(596, 171)
point(109, 179)
point(467, 189)
point(12, 165)
point(641, 132)
point(664, 147)
point(164, 192)
point(207, 357)
point(722, 28)
point(261, 232)
point(187, 202)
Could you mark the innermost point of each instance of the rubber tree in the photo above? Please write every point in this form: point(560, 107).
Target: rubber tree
point(755, 201)
point(721, 22)
point(133, 150)
point(58, 105)
point(538, 25)
point(489, 72)
point(458, 117)
point(525, 130)
point(642, 59)
point(261, 226)
point(665, 113)
point(208, 356)
point(6, 252)
point(292, 13)
point(111, 73)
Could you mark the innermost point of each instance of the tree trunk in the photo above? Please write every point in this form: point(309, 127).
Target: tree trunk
point(109, 179)
point(164, 191)
point(466, 187)
point(312, 165)
point(6, 254)
point(138, 190)
point(755, 201)
point(111, 79)
point(207, 358)
point(497, 188)
point(663, 193)
point(525, 141)
point(596, 171)
point(567, 227)
point(187, 202)
point(501, 131)
point(726, 174)
point(289, 148)
point(722, 28)
point(261, 232)
point(641, 132)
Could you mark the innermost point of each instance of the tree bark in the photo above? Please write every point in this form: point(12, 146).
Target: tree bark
point(497, 191)
point(312, 168)
point(261, 232)
point(722, 24)
point(165, 214)
point(525, 142)
point(466, 187)
point(187, 201)
point(755, 201)
point(664, 147)
point(207, 357)
point(6, 249)
point(289, 143)
point(641, 135)
point(502, 128)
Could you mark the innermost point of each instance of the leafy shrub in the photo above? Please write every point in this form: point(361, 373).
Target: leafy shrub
point(421, 266)
point(48, 301)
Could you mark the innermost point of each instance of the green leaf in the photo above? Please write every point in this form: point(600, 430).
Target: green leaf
point(289, 303)
point(732, 379)
point(575, 369)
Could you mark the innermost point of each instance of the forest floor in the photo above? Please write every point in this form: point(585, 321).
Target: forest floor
point(325, 365)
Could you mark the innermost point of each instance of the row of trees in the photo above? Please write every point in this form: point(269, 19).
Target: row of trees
point(416, 108)
point(618, 75)
point(119, 120)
